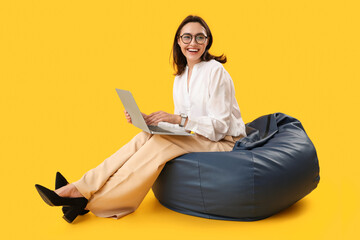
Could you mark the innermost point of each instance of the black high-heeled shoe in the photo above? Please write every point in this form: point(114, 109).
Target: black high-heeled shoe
point(61, 181)
point(76, 205)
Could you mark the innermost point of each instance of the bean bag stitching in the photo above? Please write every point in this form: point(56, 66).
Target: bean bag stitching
point(202, 196)
point(253, 183)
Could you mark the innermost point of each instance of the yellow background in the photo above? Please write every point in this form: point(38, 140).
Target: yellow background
point(60, 62)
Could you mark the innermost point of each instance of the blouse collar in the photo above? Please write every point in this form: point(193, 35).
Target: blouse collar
point(196, 64)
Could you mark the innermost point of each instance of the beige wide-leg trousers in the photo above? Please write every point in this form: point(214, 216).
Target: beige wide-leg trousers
point(118, 185)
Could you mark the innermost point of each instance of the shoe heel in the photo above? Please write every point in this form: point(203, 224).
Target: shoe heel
point(72, 213)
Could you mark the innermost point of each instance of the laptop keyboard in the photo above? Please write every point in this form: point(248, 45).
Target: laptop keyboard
point(157, 129)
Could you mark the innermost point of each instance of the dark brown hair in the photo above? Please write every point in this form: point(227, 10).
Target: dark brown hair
point(179, 60)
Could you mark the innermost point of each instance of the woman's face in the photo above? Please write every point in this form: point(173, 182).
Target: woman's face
point(193, 50)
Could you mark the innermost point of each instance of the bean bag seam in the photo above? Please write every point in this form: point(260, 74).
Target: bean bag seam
point(253, 183)
point(202, 195)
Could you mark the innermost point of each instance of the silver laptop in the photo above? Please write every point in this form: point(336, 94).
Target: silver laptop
point(137, 119)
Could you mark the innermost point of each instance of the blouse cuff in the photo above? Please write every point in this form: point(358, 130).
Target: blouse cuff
point(194, 126)
point(191, 125)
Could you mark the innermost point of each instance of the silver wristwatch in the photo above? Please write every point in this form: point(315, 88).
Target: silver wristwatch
point(183, 119)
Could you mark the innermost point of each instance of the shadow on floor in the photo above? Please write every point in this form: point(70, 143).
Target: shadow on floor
point(293, 211)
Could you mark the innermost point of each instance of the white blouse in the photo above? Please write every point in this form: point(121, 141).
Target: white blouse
point(210, 103)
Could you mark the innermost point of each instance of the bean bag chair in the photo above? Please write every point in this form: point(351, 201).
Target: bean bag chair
point(269, 170)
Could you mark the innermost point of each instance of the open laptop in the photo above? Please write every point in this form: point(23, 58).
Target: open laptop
point(137, 119)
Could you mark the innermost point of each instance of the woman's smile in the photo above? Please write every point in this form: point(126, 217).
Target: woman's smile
point(193, 51)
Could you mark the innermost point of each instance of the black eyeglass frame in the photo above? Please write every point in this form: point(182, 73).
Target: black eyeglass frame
point(191, 38)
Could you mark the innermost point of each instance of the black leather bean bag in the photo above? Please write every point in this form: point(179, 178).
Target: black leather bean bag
point(272, 168)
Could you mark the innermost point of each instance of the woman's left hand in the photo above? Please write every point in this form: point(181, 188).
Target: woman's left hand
point(161, 116)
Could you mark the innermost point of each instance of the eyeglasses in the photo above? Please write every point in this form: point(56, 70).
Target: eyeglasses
point(199, 38)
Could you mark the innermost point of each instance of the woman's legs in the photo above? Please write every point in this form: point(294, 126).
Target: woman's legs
point(123, 191)
point(94, 179)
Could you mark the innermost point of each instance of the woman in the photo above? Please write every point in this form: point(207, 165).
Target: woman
point(205, 104)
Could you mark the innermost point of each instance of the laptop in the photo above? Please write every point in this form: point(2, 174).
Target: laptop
point(137, 119)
